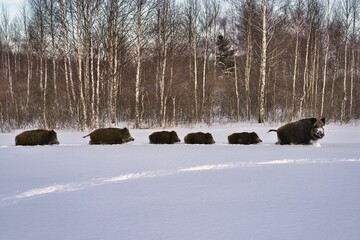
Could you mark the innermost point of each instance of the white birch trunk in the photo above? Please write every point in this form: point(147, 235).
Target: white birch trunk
point(113, 61)
point(97, 92)
point(312, 93)
point(162, 86)
point(82, 107)
point(72, 85)
point(236, 86)
point(67, 64)
point(324, 80)
point(44, 92)
point(52, 33)
point(92, 83)
point(29, 67)
point(346, 6)
point(204, 72)
point(174, 111)
point(195, 76)
point(263, 64)
point(11, 89)
point(352, 62)
point(327, 45)
point(333, 86)
point(55, 83)
point(351, 100)
point(305, 82)
point(295, 72)
point(67, 85)
point(343, 102)
point(248, 63)
point(138, 64)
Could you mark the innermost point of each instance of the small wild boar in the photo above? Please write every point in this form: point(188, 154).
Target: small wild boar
point(199, 138)
point(164, 137)
point(37, 137)
point(110, 136)
point(244, 138)
point(303, 131)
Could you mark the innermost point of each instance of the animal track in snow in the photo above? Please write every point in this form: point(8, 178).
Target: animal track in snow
point(76, 186)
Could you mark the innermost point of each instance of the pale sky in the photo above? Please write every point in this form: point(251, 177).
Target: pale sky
point(11, 5)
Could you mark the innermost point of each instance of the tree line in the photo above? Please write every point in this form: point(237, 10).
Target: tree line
point(91, 63)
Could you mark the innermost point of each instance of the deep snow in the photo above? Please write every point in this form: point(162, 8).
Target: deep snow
point(143, 191)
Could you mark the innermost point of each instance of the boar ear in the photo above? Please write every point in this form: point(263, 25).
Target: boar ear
point(313, 120)
point(323, 120)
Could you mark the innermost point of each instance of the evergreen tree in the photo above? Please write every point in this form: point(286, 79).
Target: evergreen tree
point(224, 56)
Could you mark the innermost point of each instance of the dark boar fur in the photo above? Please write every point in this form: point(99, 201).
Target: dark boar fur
point(199, 138)
point(244, 138)
point(110, 136)
point(37, 137)
point(164, 137)
point(303, 131)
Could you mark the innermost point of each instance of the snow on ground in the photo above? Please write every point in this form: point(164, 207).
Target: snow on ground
point(142, 191)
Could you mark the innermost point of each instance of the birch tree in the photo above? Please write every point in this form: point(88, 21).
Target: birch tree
point(326, 56)
point(79, 40)
point(297, 18)
point(5, 39)
point(52, 30)
point(139, 27)
point(353, 47)
point(25, 19)
point(236, 78)
point(210, 12)
point(38, 34)
point(113, 57)
point(192, 15)
point(95, 104)
point(263, 63)
point(346, 7)
point(64, 12)
point(250, 6)
point(305, 85)
point(164, 33)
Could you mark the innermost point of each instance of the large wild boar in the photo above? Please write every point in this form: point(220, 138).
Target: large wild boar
point(199, 138)
point(37, 137)
point(244, 138)
point(303, 131)
point(164, 137)
point(110, 136)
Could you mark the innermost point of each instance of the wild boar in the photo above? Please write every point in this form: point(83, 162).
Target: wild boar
point(37, 137)
point(244, 138)
point(199, 138)
point(164, 137)
point(110, 136)
point(303, 131)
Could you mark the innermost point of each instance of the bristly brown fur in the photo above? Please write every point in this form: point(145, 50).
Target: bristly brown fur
point(164, 137)
point(37, 137)
point(110, 136)
point(199, 138)
point(244, 138)
point(301, 132)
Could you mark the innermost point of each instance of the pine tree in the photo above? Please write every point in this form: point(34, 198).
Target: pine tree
point(225, 56)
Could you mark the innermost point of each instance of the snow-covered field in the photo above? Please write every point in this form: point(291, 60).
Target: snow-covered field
point(142, 191)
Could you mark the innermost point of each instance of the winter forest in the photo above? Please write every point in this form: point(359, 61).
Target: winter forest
point(92, 63)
